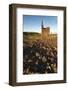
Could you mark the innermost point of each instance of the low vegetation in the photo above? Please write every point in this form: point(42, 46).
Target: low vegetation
point(39, 55)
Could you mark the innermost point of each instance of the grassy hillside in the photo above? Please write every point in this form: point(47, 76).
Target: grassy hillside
point(30, 37)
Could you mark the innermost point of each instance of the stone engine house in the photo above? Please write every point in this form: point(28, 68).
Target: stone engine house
point(45, 31)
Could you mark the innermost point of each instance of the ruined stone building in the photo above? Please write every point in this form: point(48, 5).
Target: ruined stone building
point(45, 32)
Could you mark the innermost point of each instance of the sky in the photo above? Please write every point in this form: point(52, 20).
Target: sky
point(32, 23)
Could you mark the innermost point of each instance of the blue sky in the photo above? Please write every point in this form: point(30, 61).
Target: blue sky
point(33, 23)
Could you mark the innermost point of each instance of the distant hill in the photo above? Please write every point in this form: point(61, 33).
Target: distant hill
point(31, 33)
point(29, 37)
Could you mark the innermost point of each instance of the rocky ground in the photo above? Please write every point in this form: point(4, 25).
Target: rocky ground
point(40, 57)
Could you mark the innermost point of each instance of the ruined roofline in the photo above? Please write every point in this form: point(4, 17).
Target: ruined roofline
point(42, 25)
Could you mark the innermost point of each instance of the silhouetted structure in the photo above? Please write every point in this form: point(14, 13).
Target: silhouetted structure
point(46, 32)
